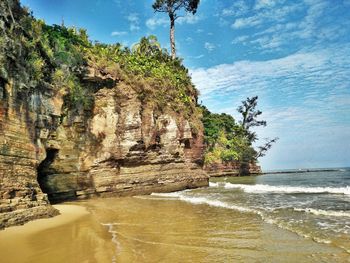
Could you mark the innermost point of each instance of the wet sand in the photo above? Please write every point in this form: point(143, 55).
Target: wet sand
point(64, 238)
point(149, 229)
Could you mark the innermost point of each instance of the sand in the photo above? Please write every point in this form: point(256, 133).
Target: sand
point(72, 236)
point(148, 229)
point(68, 214)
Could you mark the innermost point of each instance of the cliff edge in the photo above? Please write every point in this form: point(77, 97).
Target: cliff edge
point(77, 126)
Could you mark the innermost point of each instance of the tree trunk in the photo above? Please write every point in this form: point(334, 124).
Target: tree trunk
point(172, 35)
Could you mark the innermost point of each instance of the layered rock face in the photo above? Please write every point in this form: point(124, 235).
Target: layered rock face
point(51, 151)
point(232, 169)
point(122, 147)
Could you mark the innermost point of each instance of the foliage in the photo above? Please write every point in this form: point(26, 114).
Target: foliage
point(249, 117)
point(41, 55)
point(172, 7)
point(146, 61)
point(229, 141)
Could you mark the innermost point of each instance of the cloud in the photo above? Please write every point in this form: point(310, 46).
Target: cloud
point(134, 21)
point(248, 22)
point(240, 39)
point(238, 8)
point(198, 57)
point(314, 74)
point(264, 4)
point(278, 23)
point(152, 23)
point(305, 98)
point(270, 13)
point(118, 33)
point(189, 40)
point(209, 46)
point(188, 19)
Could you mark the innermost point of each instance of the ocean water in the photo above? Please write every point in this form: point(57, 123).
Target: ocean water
point(284, 218)
point(314, 205)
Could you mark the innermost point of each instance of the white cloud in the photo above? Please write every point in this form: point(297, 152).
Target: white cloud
point(275, 14)
point(264, 4)
point(240, 39)
point(209, 46)
point(305, 98)
point(188, 19)
point(118, 33)
point(248, 22)
point(133, 17)
point(301, 67)
point(276, 29)
point(199, 56)
point(152, 23)
point(189, 40)
point(238, 8)
point(134, 20)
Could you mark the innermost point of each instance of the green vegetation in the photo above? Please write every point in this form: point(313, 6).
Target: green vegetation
point(172, 7)
point(59, 56)
point(229, 141)
point(40, 56)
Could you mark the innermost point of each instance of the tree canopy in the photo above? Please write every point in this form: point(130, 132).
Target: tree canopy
point(172, 8)
point(227, 140)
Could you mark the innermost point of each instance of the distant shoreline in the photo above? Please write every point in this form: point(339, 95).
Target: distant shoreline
point(304, 171)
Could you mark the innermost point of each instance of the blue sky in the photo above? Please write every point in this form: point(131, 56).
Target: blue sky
point(295, 55)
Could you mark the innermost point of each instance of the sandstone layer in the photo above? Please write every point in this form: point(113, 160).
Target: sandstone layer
point(233, 168)
point(51, 151)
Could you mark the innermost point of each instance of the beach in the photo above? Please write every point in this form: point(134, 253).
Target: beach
point(64, 238)
point(160, 228)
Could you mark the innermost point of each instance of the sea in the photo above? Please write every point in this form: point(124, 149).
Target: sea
point(285, 217)
point(313, 204)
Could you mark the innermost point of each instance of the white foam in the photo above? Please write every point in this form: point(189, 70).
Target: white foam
point(204, 200)
point(212, 184)
point(114, 239)
point(173, 194)
point(324, 212)
point(263, 188)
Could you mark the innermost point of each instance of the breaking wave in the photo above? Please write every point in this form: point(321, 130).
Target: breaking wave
point(262, 188)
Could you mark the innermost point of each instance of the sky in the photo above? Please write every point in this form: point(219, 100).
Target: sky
point(293, 54)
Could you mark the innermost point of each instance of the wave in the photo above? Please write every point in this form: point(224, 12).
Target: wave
point(323, 212)
point(204, 200)
point(211, 184)
point(263, 188)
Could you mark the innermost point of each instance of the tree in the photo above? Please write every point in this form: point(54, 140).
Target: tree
point(147, 46)
point(249, 119)
point(264, 148)
point(172, 7)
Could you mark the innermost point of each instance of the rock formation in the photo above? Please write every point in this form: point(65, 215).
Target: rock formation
point(51, 151)
point(233, 168)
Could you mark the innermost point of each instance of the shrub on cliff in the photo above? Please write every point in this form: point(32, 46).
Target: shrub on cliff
point(40, 55)
point(229, 141)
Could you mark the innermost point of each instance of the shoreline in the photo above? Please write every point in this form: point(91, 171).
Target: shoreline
point(302, 171)
point(68, 214)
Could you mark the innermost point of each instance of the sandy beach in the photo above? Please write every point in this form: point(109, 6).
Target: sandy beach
point(64, 238)
point(157, 229)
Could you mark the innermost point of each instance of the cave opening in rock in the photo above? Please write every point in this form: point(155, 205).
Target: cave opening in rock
point(45, 169)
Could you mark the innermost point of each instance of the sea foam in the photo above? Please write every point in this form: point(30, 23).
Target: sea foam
point(263, 188)
point(204, 200)
point(323, 212)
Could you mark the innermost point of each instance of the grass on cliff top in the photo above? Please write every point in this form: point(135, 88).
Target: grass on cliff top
point(40, 55)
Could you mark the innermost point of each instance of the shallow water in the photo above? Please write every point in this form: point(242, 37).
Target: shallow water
point(226, 222)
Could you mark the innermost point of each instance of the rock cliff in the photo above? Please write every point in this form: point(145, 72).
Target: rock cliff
point(52, 150)
point(233, 168)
